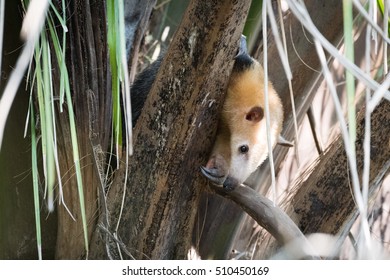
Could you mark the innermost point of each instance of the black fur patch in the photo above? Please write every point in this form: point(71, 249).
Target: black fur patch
point(242, 62)
point(141, 88)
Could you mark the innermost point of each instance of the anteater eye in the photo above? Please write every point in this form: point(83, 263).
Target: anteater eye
point(243, 149)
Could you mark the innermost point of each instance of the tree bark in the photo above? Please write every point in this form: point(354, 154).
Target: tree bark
point(86, 58)
point(174, 134)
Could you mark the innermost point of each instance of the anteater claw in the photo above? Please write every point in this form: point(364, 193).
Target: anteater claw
point(213, 175)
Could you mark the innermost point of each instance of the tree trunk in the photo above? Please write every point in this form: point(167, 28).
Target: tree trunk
point(87, 66)
point(173, 136)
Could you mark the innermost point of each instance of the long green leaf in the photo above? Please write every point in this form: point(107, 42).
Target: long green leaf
point(381, 6)
point(34, 164)
point(44, 89)
point(112, 27)
point(48, 119)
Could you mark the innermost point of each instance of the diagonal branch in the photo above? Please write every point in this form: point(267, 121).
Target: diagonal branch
point(264, 212)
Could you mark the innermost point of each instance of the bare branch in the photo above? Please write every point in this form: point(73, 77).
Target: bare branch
point(264, 212)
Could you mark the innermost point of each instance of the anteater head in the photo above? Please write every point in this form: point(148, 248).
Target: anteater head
point(241, 141)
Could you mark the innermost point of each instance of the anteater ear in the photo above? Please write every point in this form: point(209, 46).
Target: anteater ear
point(256, 114)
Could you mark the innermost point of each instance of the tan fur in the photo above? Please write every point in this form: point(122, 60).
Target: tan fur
point(245, 91)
